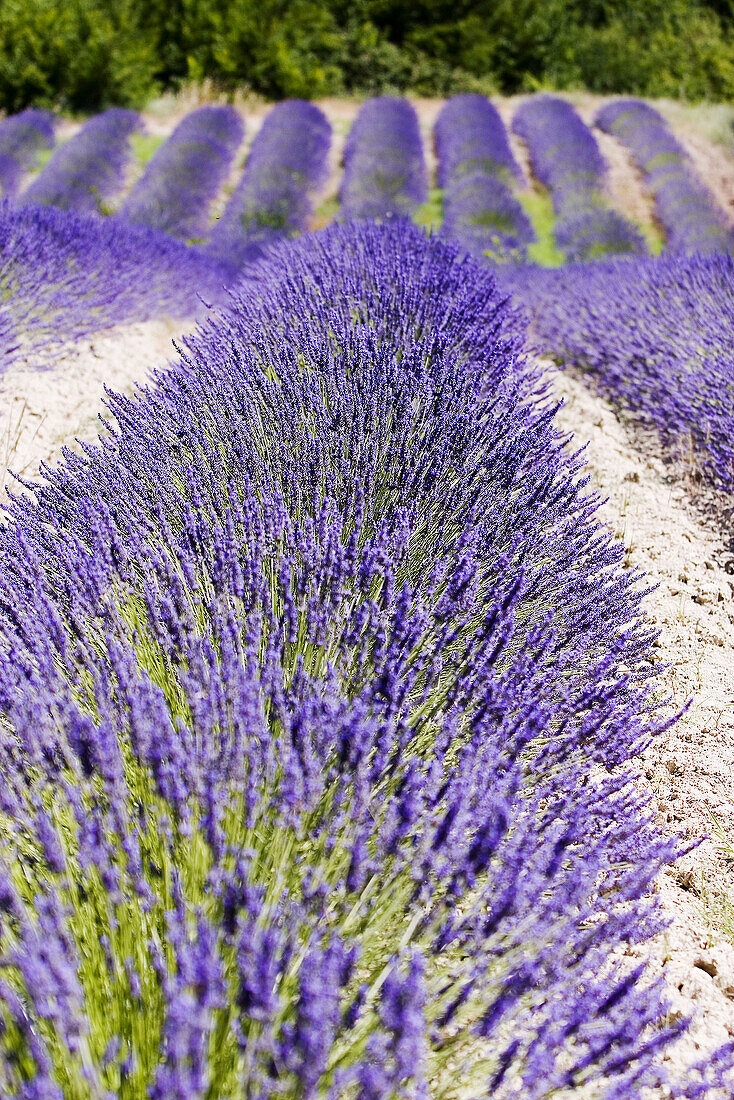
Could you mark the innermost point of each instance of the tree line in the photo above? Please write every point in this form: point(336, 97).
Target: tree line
point(82, 55)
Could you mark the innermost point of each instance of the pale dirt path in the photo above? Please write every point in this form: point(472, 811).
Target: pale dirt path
point(43, 410)
point(689, 771)
point(624, 185)
point(427, 111)
point(341, 113)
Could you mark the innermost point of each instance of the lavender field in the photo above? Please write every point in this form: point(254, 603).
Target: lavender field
point(351, 745)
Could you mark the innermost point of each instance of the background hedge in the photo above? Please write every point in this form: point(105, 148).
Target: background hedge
point(88, 54)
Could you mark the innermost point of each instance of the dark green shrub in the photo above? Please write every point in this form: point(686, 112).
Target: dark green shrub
point(88, 54)
point(75, 54)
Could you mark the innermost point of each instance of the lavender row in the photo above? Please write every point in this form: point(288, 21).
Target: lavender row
point(64, 276)
point(175, 192)
point(566, 159)
point(658, 335)
point(88, 170)
point(303, 677)
point(470, 136)
point(22, 138)
point(688, 212)
point(288, 160)
point(475, 170)
point(384, 168)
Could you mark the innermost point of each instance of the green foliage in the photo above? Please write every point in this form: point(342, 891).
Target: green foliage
point(668, 48)
point(145, 145)
point(539, 208)
point(87, 54)
point(75, 54)
point(430, 213)
point(654, 237)
point(326, 212)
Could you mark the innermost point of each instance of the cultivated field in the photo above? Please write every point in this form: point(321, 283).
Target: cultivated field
point(337, 719)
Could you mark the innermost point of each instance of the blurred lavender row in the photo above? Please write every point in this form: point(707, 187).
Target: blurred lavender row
point(288, 160)
point(384, 168)
point(22, 139)
point(64, 276)
point(88, 170)
point(657, 334)
point(469, 136)
point(185, 175)
point(566, 159)
point(688, 212)
point(475, 169)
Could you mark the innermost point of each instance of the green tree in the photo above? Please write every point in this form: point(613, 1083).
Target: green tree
point(76, 54)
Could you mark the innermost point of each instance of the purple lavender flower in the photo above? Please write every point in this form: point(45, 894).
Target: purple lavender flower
point(403, 1011)
point(384, 168)
point(287, 162)
point(656, 335)
point(193, 996)
point(470, 137)
point(64, 276)
point(22, 137)
point(185, 175)
point(558, 141)
point(475, 169)
point(686, 209)
point(332, 576)
point(566, 159)
point(481, 213)
point(88, 170)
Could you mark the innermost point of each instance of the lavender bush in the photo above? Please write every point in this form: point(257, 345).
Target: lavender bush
point(688, 212)
point(64, 276)
point(566, 159)
point(384, 168)
point(288, 160)
point(475, 169)
point(658, 336)
point(311, 677)
point(22, 138)
point(184, 177)
point(88, 170)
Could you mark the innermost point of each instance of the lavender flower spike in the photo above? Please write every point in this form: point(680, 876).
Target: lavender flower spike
point(657, 335)
point(87, 171)
point(22, 137)
point(470, 136)
point(185, 175)
point(384, 167)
